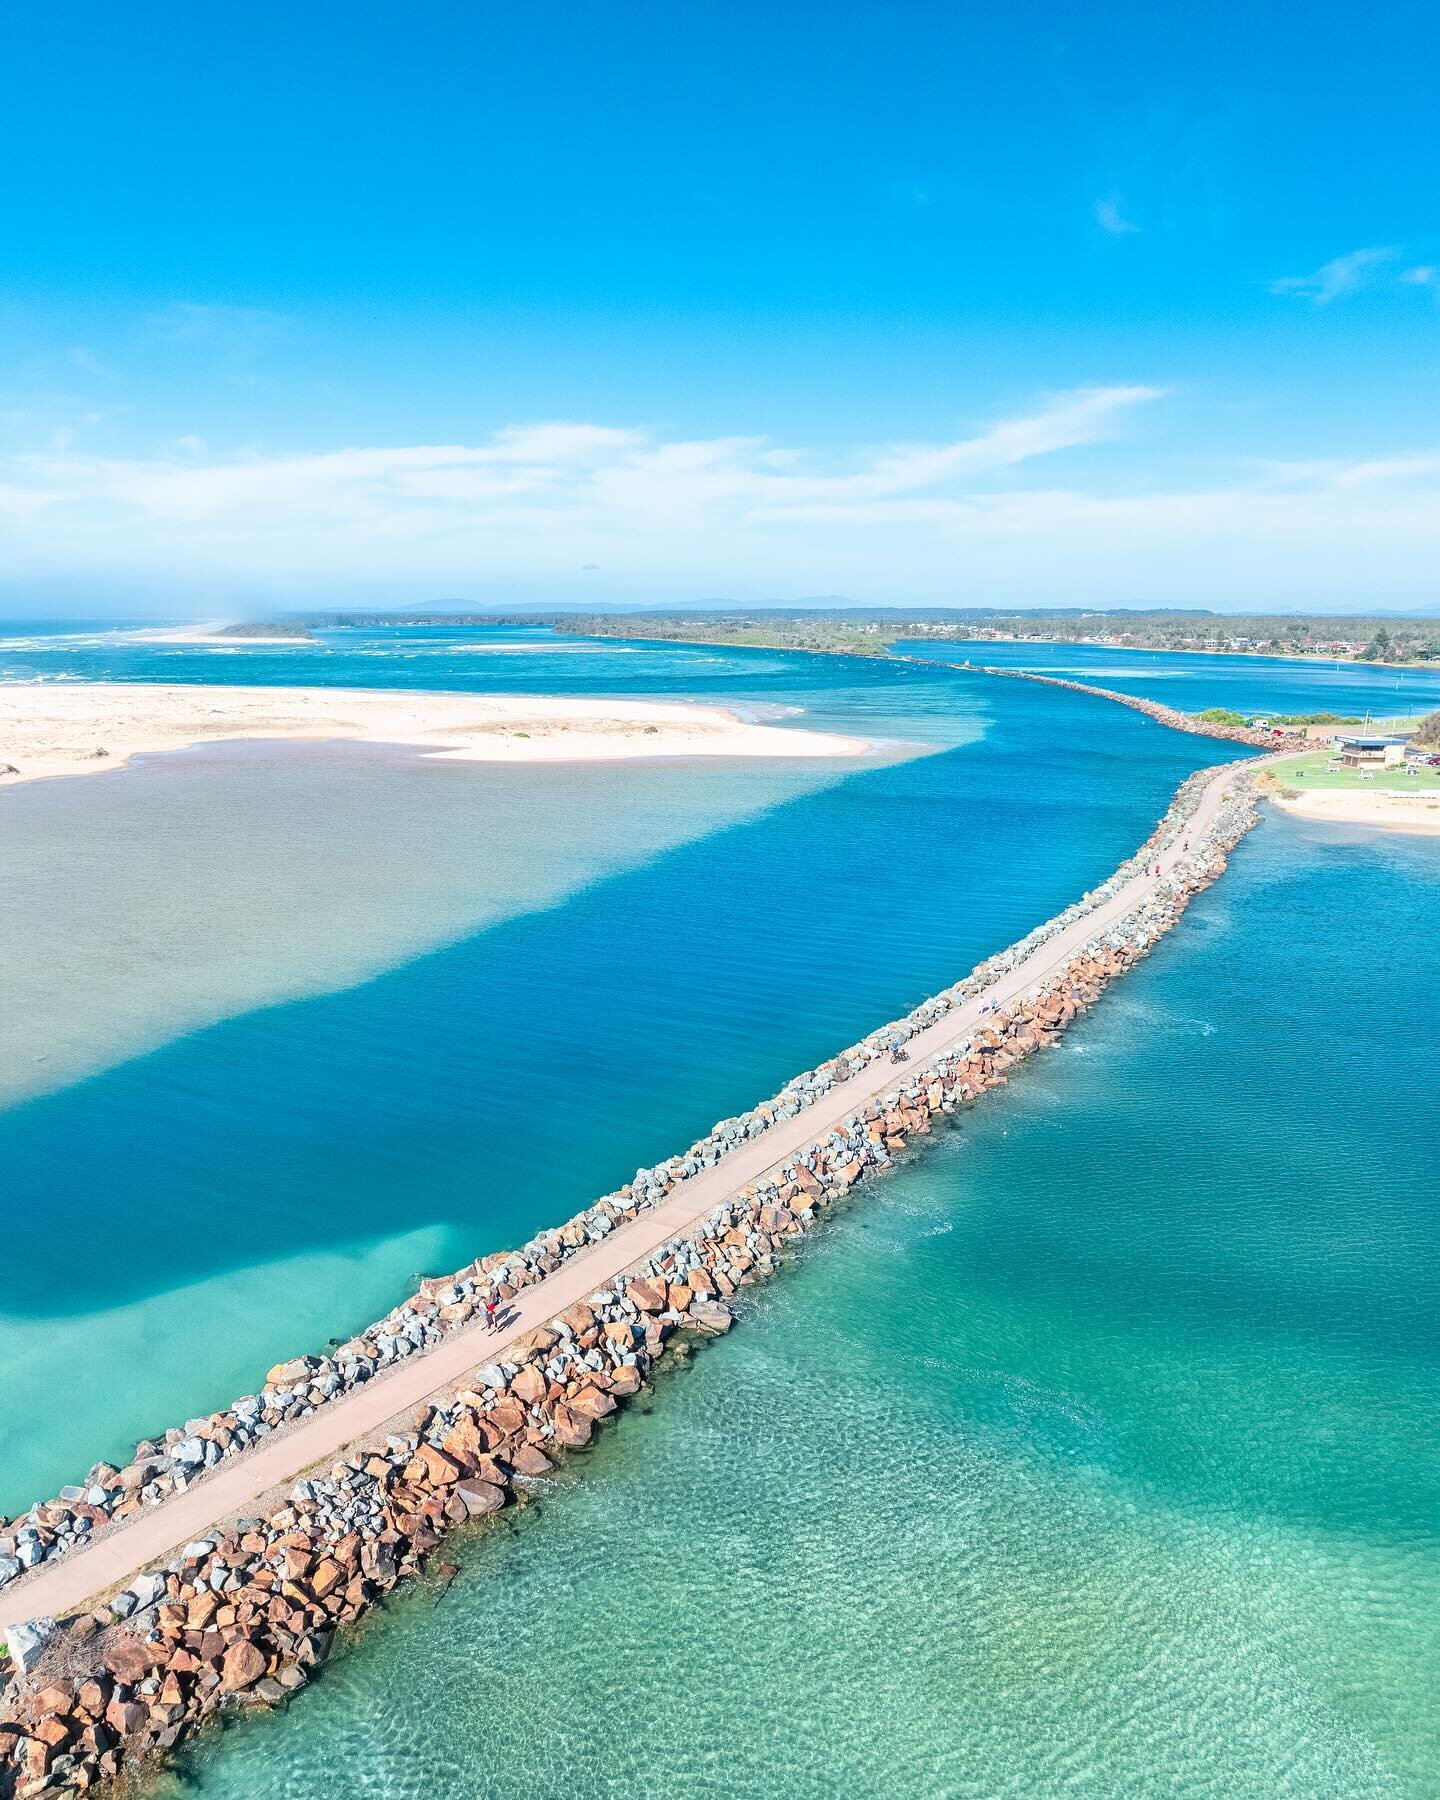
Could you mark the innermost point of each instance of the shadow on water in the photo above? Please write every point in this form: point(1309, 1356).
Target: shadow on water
point(498, 1084)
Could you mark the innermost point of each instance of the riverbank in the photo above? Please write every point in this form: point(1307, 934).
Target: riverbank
point(62, 728)
point(961, 1043)
point(1394, 799)
point(1417, 813)
point(1315, 658)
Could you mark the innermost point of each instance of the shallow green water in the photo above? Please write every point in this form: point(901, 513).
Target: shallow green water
point(1095, 1450)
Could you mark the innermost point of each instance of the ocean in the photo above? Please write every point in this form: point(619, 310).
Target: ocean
point(1093, 1449)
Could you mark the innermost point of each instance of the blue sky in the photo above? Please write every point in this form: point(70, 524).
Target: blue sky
point(589, 303)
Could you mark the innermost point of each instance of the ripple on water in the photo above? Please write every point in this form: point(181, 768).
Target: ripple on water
point(1098, 1457)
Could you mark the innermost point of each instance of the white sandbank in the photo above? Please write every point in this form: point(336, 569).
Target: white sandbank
point(52, 728)
point(1418, 812)
point(211, 634)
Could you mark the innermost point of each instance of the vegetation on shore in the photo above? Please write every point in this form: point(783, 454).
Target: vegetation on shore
point(1427, 732)
point(1226, 715)
point(866, 631)
point(1304, 774)
point(269, 628)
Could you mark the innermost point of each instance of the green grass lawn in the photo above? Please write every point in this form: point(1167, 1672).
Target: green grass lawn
point(1310, 771)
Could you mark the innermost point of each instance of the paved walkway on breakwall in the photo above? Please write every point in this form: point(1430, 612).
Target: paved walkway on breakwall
point(63, 1589)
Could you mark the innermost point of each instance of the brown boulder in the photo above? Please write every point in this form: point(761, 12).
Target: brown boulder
point(328, 1575)
point(507, 1416)
point(592, 1403)
point(648, 1295)
point(440, 1468)
point(37, 1758)
point(126, 1716)
point(572, 1429)
point(92, 1695)
point(130, 1658)
point(286, 1374)
point(578, 1317)
point(479, 1497)
point(529, 1384)
point(464, 1440)
point(625, 1380)
point(243, 1666)
point(526, 1459)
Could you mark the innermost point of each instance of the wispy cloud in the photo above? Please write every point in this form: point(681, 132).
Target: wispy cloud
point(548, 508)
point(1109, 217)
point(1341, 275)
point(610, 475)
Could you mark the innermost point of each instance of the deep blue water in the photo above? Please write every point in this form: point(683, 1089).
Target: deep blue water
point(476, 1093)
point(1094, 1450)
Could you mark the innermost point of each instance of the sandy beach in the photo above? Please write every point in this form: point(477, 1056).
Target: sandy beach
point(81, 728)
point(1418, 812)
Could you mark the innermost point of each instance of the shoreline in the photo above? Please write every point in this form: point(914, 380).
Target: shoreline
point(1300, 656)
point(1417, 815)
point(50, 729)
point(661, 1255)
point(213, 634)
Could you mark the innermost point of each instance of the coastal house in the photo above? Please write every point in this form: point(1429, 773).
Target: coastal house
point(1370, 752)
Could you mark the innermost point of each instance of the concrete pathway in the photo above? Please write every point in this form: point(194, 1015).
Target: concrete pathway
point(63, 1588)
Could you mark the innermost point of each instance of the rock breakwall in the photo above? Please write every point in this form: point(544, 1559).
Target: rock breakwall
point(1169, 716)
point(243, 1614)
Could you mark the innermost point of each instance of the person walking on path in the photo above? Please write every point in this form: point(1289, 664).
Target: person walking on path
point(492, 1314)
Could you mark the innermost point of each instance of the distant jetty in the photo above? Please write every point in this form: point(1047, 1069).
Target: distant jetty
point(426, 1422)
point(1169, 716)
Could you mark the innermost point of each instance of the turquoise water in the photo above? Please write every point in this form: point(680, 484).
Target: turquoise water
point(1248, 684)
point(276, 1178)
point(1095, 1450)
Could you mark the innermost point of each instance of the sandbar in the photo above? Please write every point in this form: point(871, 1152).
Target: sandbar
point(54, 728)
point(1418, 812)
point(215, 634)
